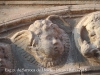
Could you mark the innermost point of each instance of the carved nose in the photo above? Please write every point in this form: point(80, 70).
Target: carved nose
point(92, 53)
point(98, 47)
point(98, 44)
point(54, 41)
point(92, 33)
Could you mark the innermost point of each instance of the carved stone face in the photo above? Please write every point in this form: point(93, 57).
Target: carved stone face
point(50, 42)
point(89, 28)
point(93, 29)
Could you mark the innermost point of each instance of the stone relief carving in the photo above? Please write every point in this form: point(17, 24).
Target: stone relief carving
point(34, 41)
point(88, 33)
point(44, 40)
point(6, 57)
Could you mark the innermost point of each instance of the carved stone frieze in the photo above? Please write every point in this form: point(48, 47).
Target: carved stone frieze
point(63, 43)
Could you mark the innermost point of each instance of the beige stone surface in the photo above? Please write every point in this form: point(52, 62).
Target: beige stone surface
point(10, 12)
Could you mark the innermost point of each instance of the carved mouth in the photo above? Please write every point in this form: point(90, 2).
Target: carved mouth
point(56, 50)
point(97, 54)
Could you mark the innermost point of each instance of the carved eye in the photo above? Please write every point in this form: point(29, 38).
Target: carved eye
point(61, 38)
point(88, 30)
point(93, 27)
point(2, 49)
point(48, 37)
point(56, 37)
point(92, 33)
